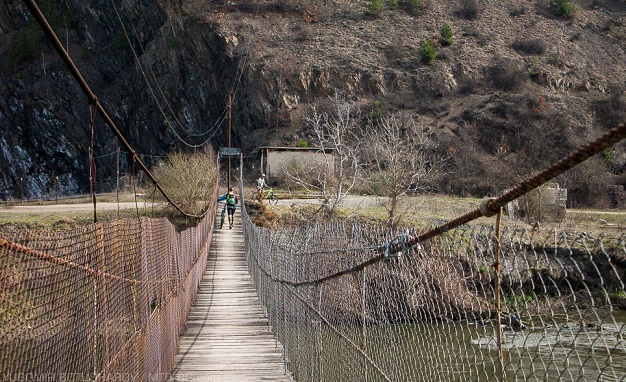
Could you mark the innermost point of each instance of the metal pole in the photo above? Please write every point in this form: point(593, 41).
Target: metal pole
point(117, 172)
point(498, 307)
point(241, 178)
point(363, 307)
point(229, 120)
point(92, 163)
point(21, 190)
point(56, 199)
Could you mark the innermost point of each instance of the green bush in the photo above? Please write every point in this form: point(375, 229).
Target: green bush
point(24, 47)
point(374, 6)
point(394, 4)
point(446, 34)
point(122, 48)
point(417, 6)
point(428, 52)
point(562, 8)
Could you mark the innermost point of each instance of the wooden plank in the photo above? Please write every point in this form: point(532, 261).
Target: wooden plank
point(228, 336)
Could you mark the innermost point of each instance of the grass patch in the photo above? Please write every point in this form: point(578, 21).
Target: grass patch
point(59, 221)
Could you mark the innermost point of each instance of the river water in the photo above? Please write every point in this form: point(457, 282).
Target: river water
point(464, 351)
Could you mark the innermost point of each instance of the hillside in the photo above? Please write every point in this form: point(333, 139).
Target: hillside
point(518, 88)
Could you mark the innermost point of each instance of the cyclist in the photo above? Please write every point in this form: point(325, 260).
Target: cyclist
point(260, 185)
point(231, 205)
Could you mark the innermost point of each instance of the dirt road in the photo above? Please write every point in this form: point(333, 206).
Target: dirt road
point(81, 207)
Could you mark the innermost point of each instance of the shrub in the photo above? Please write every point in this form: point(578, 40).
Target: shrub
point(247, 6)
point(23, 47)
point(468, 85)
point(506, 75)
point(417, 6)
point(446, 34)
point(562, 8)
point(188, 179)
point(394, 4)
point(377, 112)
point(518, 11)
point(469, 9)
point(610, 110)
point(26, 44)
point(428, 52)
point(535, 46)
point(374, 6)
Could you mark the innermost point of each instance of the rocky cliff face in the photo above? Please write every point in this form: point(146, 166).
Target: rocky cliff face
point(165, 91)
point(518, 87)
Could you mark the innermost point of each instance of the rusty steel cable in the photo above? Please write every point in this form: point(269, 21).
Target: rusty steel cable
point(18, 248)
point(92, 98)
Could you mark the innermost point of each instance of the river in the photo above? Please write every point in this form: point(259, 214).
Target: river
point(558, 350)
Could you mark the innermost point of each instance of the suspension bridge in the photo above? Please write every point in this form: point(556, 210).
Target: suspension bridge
point(228, 337)
point(137, 300)
point(133, 299)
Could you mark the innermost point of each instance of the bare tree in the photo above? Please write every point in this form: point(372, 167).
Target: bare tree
point(335, 133)
point(402, 161)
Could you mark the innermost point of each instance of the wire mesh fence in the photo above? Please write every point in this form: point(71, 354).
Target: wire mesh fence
point(430, 313)
point(100, 303)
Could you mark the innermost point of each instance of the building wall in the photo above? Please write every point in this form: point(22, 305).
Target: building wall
point(545, 204)
point(276, 161)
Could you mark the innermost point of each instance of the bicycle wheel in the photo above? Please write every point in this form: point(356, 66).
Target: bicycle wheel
point(273, 199)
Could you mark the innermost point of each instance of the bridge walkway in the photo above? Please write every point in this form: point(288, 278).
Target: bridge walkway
point(228, 336)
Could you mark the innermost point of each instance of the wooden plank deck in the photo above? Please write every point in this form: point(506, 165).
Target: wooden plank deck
point(228, 337)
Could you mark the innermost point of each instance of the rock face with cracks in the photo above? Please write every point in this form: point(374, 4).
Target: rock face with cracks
point(518, 88)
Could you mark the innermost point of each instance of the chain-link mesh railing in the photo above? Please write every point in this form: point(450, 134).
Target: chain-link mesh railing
point(429, 313)
point(106, 302)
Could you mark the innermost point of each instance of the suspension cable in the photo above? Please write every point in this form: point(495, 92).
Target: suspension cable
point(152, 93)
point(49, 32)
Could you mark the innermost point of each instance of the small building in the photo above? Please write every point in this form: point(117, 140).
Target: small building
point(544, 204)
point(275, 161)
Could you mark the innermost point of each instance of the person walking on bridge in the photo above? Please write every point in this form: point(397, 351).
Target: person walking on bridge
point(231, 205)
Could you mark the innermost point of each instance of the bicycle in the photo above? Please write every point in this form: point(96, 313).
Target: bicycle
point(267, 194)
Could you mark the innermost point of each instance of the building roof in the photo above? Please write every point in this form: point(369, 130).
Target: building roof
point(316, 149)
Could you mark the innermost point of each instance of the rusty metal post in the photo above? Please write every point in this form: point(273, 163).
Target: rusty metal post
point(501, 376)
point(229, 121)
